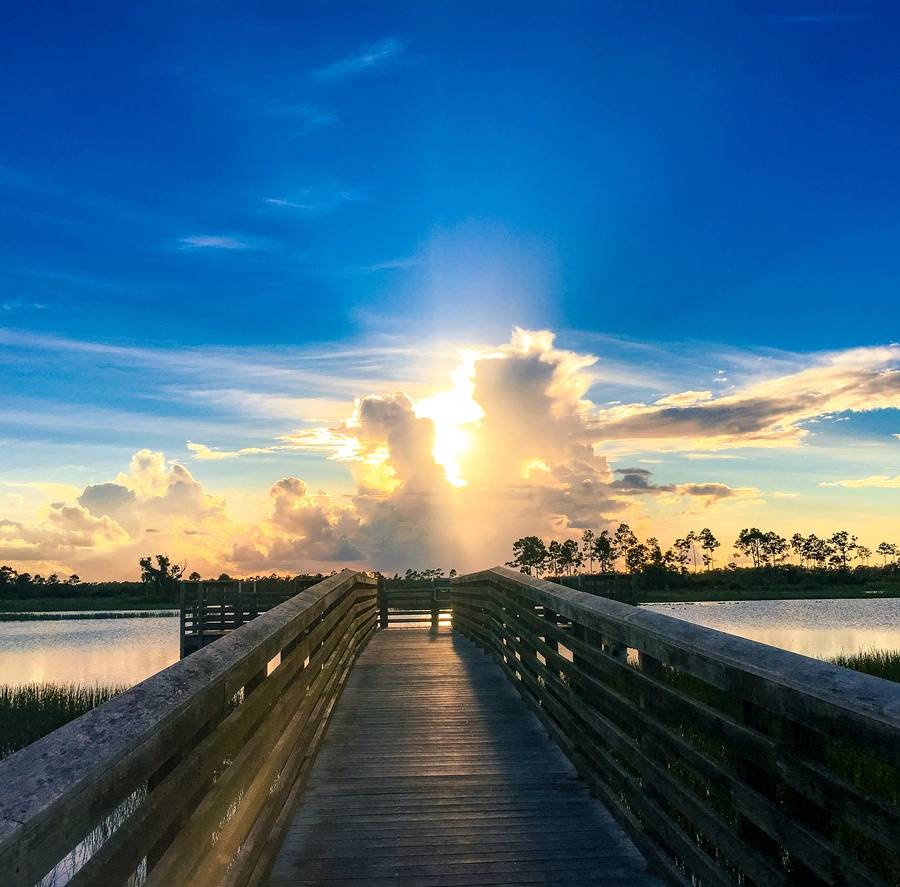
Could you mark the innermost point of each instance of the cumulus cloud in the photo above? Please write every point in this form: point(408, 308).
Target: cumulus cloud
point(303, 529)
point(509, 449)
point(104, 531)
point(65, 529)
point(514, 445)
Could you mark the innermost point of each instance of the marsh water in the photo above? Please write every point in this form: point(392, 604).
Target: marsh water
point(125, 651)
point(87, 651)
point(820, 628)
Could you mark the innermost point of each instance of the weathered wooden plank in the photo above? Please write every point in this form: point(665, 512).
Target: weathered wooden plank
point(473, 787)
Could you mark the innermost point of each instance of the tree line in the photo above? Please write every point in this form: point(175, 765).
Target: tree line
point(12, 578)
point(160, 580)
point(694, 551)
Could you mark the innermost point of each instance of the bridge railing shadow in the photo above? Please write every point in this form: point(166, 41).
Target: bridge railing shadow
point(728, 761)
point(184, 778)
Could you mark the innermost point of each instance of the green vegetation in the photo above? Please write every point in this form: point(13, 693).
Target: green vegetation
point(30, 711)
point(881, 663)
point(85, 603)
point(757, 548)
point(636, 571)
point(41, 616)
point(159, 588)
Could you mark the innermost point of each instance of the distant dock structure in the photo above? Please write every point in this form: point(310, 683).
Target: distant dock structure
point(212, 608)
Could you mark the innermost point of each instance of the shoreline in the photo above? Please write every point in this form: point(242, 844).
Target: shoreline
point(132, 607)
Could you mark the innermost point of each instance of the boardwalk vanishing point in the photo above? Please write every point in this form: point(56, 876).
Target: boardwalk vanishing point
point(512, 731)
point(433, 772)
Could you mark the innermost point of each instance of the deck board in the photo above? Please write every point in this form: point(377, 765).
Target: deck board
point(435, 772)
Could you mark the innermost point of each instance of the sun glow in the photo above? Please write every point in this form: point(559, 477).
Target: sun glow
point(454, 413)
point(534, 465)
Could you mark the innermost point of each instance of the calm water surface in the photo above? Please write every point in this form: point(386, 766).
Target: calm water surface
point(125, 651)
point(87, 651)
point(814, 628)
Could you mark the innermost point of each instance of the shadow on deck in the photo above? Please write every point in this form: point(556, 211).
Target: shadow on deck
point(434, 771)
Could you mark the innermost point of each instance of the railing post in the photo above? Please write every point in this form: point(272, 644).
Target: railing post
point(181, 623)
point(550, 617)
point(200, 620)
point(382, 604)
point(435, 608)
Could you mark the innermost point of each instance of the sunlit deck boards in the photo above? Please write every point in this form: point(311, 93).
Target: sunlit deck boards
point(434, 772)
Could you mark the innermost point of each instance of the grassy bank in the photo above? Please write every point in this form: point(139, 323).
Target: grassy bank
point(36, 616)
point(85, 604)
point(881, 663)
point(770, 593)
point(30, 711)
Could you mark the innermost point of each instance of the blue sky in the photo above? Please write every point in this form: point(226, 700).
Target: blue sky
point(220, 223)
point(710, 170)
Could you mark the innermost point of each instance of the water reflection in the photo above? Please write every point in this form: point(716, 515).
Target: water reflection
point(125, 651)
point(87, 651)
point(819, 628)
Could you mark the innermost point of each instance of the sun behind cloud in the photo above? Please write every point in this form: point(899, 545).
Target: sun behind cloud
point(519, 442)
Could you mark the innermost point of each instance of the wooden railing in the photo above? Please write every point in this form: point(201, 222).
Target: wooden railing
point(185, 778)
point(411, 606)
point(730, 762)
point(211, 609)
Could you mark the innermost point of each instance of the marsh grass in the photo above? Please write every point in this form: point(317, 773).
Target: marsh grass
point(29, 711)
point(38, 616)
point(880, 663)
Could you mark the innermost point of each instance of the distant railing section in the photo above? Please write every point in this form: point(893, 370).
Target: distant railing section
point(730, 762)
point(187, 777)
point(212, 608)
point(409, 604)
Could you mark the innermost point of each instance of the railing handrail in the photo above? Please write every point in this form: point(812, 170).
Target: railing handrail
point(723, 757)
point(857, 694)
point(55, 785)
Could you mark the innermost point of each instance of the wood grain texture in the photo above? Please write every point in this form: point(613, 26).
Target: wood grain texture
point(433, 771)
point(724, 759)
point(204, 748)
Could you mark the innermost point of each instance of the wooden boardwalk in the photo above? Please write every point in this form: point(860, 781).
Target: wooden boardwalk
point(435, 772)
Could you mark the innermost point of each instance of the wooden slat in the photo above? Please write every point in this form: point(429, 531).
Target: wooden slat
point(730, 757)
point(57, 790)
point(433, 771)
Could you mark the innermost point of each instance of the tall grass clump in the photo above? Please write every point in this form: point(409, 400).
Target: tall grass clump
point(881, 663)
point(30, 711)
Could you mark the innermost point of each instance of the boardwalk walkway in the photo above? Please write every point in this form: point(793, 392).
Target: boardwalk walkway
point(434, 772)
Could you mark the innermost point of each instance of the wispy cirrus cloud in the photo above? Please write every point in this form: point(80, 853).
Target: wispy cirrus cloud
point(366, 58)
point(394, 264)
point(704, 457)
point(875, 481)
point(769, 413)
point(821, 18)
point(323, 199)
point(203, 452)
point(214, 241)
point(18, 304)
point(305, 116)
